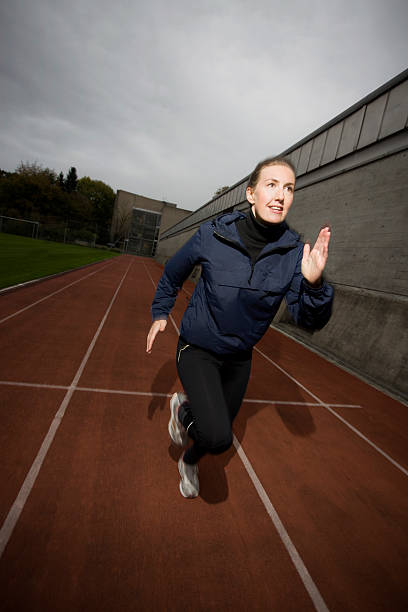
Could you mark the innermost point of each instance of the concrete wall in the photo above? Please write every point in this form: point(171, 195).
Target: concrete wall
point(367, 208)
point(167, 248)
point(353, 173)
point(172, 215)
point(367, 334)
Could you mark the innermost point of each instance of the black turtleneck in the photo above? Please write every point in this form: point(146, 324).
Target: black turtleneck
point(256, 234)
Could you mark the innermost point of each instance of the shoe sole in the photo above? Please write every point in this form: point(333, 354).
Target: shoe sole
point(191, 496)
point(182, 443)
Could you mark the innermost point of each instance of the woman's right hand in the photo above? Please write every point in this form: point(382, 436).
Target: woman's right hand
point(157, 326)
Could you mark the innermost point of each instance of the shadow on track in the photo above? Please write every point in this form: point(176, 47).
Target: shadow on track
point(297, 419)
point(162, 383)
point(213, 479)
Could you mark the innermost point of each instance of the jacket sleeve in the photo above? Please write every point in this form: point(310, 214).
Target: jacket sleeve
point(176, 271)
point(309, 306)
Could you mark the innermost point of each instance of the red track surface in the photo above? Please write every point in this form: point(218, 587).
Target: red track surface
point(100, 524)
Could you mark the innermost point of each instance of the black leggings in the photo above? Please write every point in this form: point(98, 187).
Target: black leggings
point(215, 386)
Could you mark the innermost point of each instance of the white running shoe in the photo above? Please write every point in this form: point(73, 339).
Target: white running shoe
point(176, 430)
point(189, 484)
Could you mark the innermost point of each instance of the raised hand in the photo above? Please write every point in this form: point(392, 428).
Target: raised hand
point(314, 260)
point(157, 326)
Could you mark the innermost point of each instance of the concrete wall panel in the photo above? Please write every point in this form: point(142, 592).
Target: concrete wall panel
point(304, 157)
point(240, 191)
point(396, 111)
point(332, 143)
point(372, 121)
point(317, 151)
point(294, 157)
point(350, 133)
point(219, 205)
point(242, 195)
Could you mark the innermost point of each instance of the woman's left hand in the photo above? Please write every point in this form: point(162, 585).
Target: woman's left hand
point(314, 260)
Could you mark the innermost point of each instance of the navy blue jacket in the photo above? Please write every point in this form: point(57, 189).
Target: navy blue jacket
point(234, 301)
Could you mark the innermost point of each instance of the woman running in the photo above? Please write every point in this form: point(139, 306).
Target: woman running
point(249, 263)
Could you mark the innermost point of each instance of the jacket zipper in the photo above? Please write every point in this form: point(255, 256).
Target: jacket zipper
point(252, 271)
point(233, 242)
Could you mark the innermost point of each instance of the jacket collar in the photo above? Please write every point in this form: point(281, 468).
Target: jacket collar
point(224, 226)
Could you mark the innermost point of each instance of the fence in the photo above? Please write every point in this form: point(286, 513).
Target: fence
point(69, 231)
point(22, 227)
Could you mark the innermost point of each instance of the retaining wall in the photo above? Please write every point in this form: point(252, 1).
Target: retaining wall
point(353, 173)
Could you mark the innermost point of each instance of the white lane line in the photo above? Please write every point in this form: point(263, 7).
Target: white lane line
point(20, 501)
point(87, 389)
point(284, 402)
point(11, 383)
point(342, 366)
point(334, 413)
point(300, 567)
point(14, 314)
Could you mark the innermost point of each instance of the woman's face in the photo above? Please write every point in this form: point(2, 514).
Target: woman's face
point(273, 193)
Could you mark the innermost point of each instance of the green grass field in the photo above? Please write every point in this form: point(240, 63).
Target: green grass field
point(24, 259)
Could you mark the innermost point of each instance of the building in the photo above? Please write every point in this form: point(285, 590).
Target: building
point(353, 173)
point(138, 221)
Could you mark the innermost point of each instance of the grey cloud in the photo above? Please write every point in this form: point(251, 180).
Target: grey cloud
point(169, 100)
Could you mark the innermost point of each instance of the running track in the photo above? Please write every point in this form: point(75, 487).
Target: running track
point(308, 510)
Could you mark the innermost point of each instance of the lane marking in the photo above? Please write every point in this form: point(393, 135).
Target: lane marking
point(334, 413)
point(300, 567)
point(342, 366)
point(21, 499)
point(297, 561)
point(14, 314)
point(11, 383)
point(284, 402)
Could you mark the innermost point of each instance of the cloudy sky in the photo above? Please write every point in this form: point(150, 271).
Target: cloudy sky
point(172, 98)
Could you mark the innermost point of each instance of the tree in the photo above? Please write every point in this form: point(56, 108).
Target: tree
point(32, 192)
point(36, 169)
point(220, 191)
point(71, 180)
point(102, 199)
point(37, 193)
point(60, 181)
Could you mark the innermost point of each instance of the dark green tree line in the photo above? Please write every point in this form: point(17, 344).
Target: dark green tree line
point(38, 194)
